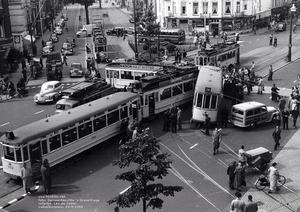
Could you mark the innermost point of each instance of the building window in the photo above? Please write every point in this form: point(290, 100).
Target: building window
point(169, 8)
point(245, 6)
point(183, 8)
point(227, 7)
point(238, 7)
point(205, 7)
point(195, 8)
point(215, 8)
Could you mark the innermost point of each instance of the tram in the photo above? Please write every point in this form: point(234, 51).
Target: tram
point(173, 85)
point(67, 134)
point(207, 97)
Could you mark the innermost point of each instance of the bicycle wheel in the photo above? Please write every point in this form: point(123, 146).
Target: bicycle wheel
point(259, 185)
point(281, 180)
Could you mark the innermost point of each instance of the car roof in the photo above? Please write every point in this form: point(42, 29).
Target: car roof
point(76, 64)
point(54, 82)
point(248, 105)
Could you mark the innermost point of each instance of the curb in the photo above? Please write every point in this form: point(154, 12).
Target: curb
point(36, 188)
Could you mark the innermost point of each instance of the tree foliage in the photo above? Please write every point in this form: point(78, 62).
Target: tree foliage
point(151, 164)
point(86, 4)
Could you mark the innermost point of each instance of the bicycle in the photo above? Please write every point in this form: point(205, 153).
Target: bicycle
point(263, 181)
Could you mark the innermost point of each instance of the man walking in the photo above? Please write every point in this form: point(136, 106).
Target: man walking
point(231, 174)
point(179, 118)
point(241, 155)
point(275, 41)
point(285, 119)
point(216, 140)
point(270, 77)
point(271, 40)
point(276, 136)
point(64, 58)
point(250, 205)
point(26, 176)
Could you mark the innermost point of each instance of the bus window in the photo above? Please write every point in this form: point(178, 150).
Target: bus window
point(25, 153)
point(69, 136)
point(99, 123)
point(177, 90)
point(54, 142)
point(124, 112)
point(166, 93)
point(188, 86)
point(9, 153)
point(18, 154)
point(207, 101)
point(44, 147)
point(113, 117)
point(199, 100)
point(213, 102)
point(85, 129)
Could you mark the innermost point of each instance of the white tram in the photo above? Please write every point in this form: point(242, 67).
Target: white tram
point(207, 97)
point(67, 134)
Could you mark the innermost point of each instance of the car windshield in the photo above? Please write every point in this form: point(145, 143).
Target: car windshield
point(47, 87)
point(76, 66)
point(66, 45)
point(48, 43)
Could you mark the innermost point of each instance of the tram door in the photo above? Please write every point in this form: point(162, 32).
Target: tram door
point(151, 104)
point(35, 157)
point(136, 110)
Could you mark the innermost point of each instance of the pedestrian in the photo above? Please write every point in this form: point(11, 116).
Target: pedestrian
point(239, 178)
point(135, 133)
point(173, 119)
point(166, 125)
point(179, 56)
point(24, 73)
point(276, 136)
point(224, 116)
point(294, 28)
point(260, 85)
point(274, 93)
point(66, 26)
point(271, 40)
point(278, 118)
point(179, 118)
point(252, 70)
point(26, 175)
point(273, 178)
point(46, 176)
point(184, 53)
point(195, 41)
point(270, 77)
point(43, 43)
point(231, 173)
point(242, 156)
point(129, 130)
point(216, 140)
point(79, 18)
point(285, 119)
point(237, 205)
point(64, 59)
point(251, 206)
point(123, 129)
point(282, 103)
point(124, 36)
point(275, 41)
point(23, 63)
point(41, 62)
point(173, 109)
point(295, 114)
point(206, 124)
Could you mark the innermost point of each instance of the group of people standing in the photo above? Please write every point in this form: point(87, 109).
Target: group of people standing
point(129, 130)
point(172, 117)
point(273, 37)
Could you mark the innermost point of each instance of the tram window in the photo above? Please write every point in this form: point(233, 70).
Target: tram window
point(99, 123)
point(9, 153)
point(18, 154)
point(54, 142)
point(69, 136)
point(85, 129)
point(207, 101)
point(213, 102)
point(166, 93)
point(44, 147)
point(138, 75)
point(124, 112)
point(199, 100)
point(177, 90)
point(116, 74)
point(113, 117)
point(128, 75)
point(188, 86)
point(25, 153)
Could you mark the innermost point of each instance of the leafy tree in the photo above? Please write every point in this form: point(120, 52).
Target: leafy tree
point(86, 4)
point(144, 151)
point(14, 55)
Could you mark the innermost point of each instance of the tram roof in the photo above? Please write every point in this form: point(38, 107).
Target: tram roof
point(209, 77)
point(56, 122)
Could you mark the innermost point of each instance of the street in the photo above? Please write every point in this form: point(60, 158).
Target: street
point(87, 184)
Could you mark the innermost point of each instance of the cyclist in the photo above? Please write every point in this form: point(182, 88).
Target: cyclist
point(273, 177)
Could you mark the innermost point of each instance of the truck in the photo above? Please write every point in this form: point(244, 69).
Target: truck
point(54, 66)
point(86, 30)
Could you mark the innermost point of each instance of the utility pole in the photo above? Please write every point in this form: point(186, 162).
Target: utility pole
point(135, 32)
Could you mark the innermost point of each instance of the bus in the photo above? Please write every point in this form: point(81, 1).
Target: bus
point(175, 36)
point(83, 92)
point(120, 74)
point(207, 97)
point(62, 136)
point(174, 85)
point(220, 54)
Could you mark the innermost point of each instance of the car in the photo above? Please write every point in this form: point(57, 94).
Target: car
point(61, 23)
point(46, 51)
point(71, 41)
point(131, 19)
point(130, 30)
point(67, 49)
point(50, 92)
point(53, 38)
point(64, 16)
point(50, 44)
point(116, 31)
point(58, 30)
point(280, 26)
point(76, 70)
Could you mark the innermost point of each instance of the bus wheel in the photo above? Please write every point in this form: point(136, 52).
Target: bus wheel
point(253, 125)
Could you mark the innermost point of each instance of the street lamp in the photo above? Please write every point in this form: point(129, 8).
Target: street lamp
point(289, 56)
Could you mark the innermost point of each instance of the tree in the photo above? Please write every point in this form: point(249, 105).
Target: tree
point(86, 4)
point(144, 151)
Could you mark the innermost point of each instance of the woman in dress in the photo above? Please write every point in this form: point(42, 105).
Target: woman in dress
point(273, 177)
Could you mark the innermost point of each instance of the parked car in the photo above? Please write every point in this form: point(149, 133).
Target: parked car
point(280, 26)
point(64, 16)
point(50, 92)
point(50, 44)
point(116, 30)
point(71, 41)
point(131, 19)
point(67, 49)
point(58, 30)
point(53, 38)
point(76, 70)
point(61, 23)
point(46, 51)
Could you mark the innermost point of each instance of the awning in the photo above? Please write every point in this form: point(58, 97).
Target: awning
point(27, 39)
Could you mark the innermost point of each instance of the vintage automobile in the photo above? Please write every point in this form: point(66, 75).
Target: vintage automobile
point(58, 30)
point(50, 44)
point(76, 70)
point(46, 51)
point(61, 23)
point(71, 41)
point(130, 30)
point(280, 27)
point(64, 16)
point(116, 31)
point(67, 49)
point(53, 38)
point(258, 158)
point(37, 67)
point(50, 92)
